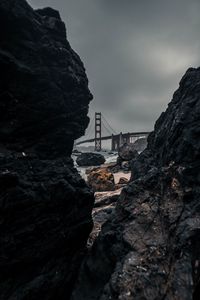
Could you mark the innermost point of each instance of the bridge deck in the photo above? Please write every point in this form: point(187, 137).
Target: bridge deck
point(109, 137)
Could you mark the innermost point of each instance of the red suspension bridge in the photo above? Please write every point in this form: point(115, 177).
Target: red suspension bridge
point(117, 139)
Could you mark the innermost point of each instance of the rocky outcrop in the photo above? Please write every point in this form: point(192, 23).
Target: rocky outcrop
point(101, 180)
point(127, 152)
point(150, 247)
point(45, 215)
point(105, 203)
point(45, 221)
point(44, 92)
point(90, 159)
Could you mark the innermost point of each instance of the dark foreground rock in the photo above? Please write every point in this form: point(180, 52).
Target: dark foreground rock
point(45, 207)
point(90, 159)
point(150, 248)
point(44, 92)
point(105, 203)
point(45, 222)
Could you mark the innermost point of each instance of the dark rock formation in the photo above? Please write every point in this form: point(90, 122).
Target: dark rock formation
point(45, 207)
point(101, 180)
point(45, 221)
point(150, 247)
point(105, 203)
point(127, 152)
point(44, 92)
point(90, 159)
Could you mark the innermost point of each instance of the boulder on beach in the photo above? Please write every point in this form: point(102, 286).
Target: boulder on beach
point(101, 180)
point(90, 159)
point(127, 152)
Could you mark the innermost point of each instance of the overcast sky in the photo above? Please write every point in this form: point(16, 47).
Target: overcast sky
point(135, 53)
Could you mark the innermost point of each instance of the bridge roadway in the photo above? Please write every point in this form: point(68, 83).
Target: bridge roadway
point(125, 136)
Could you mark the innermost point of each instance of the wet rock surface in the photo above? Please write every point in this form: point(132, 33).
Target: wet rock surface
point(150, 248)
point(101, 180)
point(45, 206)
point(90, 159)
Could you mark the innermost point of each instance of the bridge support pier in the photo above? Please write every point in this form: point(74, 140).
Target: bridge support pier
point(112, 143)
point(119, 140)
point(115, 142)
point(97, 131)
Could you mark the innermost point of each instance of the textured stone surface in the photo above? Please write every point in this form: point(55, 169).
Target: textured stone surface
point(90, 159)
point(127, 152)
point(150, 248)
point(45, 206)
point(101, 180)
point(45, 221)
point(44, 92)
point(105, 203)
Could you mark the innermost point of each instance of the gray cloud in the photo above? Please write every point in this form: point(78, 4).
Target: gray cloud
point(135, 53)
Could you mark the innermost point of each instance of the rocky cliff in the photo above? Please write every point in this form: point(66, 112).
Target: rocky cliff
point(45, 207)
point(44, 89)
point(150, 247)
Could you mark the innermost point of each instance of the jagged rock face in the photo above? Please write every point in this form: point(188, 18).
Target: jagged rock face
point(45, 222)
point(150, 248)
point(45, 206)
point(44, 92)
point(177, 131)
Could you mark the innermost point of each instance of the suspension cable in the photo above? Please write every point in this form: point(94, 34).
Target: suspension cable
point(112, 130)
point(107, 130)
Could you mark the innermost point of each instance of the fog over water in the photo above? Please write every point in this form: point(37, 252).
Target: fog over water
point(135, 53)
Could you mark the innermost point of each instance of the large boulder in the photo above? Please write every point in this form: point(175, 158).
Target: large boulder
point(45, 205)
point(90, 159)
point(150, 247)
point(127, 152)
point(101, 180)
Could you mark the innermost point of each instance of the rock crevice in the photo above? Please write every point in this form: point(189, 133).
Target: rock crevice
point(149, 247)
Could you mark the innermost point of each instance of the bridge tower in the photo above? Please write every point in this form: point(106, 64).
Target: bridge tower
point(97, 131)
